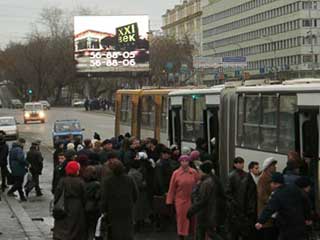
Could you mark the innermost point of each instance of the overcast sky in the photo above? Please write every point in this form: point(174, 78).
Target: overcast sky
point(16, 17)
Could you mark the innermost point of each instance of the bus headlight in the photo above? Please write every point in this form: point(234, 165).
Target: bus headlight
point(41, 114)
point(26, 115)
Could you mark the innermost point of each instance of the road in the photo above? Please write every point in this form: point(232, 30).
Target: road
point(91, 122)
point(38, 208)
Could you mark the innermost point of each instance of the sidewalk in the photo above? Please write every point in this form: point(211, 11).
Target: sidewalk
point(10, 226)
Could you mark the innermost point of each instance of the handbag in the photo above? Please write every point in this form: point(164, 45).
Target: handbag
point(59, 209)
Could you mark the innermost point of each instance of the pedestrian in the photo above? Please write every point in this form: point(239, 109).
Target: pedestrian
point(107, 147)
point(131, 153)
point(86, 104)
point(292, 208)
point(59, 148)
point(268, 231)
point(4, 152)
point(249, 201)
point(87, 150)
point(141, 207)
point(153, 149)
point(163, 172)
point(118, 196)
point(291, 174)
point(83, 161)
point(182, 182)
point(195, 159)
point(208, 204)
point(233, 194)
point(58, 171)
point(73, 225)
point(18, 166)
point(175, 154)
point(93, 197)
point(35, 161)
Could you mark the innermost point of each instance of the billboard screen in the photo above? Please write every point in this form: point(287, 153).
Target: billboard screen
point(111, 43)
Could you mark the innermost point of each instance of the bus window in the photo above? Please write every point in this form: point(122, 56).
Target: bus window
point(193, 118)
point(147, 112)
point(240, 120)
point(164, 108)
point(288, 108)
point(125, 111)
point(252, 120)
point(269, 123)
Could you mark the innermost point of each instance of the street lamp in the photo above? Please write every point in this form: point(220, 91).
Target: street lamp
point(273, 62)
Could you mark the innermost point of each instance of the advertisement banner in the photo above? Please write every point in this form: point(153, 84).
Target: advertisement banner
point(111, 43)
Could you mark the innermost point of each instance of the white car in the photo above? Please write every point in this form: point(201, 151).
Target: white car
point(8, 127)
point(46, 104)
point(33, 111)
point(78, 103)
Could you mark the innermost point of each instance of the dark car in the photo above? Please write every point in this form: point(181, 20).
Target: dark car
point(15, 103)
point(64, 129)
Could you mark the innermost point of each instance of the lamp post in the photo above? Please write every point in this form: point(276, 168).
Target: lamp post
point(273, 62)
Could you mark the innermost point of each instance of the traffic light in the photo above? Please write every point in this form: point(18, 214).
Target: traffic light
point(30, 91)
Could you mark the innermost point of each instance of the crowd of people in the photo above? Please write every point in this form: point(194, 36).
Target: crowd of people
point(114, 188)
point(98, 104)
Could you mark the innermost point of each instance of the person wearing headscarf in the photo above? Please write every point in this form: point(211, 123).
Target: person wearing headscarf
point(182, 182)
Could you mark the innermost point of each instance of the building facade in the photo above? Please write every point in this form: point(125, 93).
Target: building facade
point(278, 38)
point(184, 20)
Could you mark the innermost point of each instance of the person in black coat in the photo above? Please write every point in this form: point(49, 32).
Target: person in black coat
point(118, 196)
point(35, 161)
point(233, 195)
point(208, 204)
point(4, 152)
point(59, 148)
point(249, 202)
point(292, 208)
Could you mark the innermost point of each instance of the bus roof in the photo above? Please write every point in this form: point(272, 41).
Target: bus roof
point(307, 87)
point(213, 90)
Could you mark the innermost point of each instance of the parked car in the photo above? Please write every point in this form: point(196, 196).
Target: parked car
point(46, 104)
point(64, 129)
point(33, 111)
point(8, 127)
point(15, 103)
point(78, 102)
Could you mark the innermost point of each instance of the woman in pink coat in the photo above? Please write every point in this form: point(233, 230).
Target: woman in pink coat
point(183, 180)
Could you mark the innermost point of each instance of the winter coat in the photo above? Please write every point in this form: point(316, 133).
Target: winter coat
point(163, 173)
point(233, 194)
point(18, 164)
point(290, 177)
point(264, 193)
point(142, 207)
point(55, 156)
point(35, 160)
point(119, 193)
point(92, 197)
point(209, 205)
point(85, 151)
point(4, 152)
point(292, 208)
point(58, 174)
point(181, 185)
point(73, 226)
point(103, 156)
point(249, 203)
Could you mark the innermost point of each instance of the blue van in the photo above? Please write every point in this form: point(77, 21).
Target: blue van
point(64, 129)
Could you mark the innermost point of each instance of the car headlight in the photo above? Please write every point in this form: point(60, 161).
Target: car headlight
point(26, 115)
point(41, 114)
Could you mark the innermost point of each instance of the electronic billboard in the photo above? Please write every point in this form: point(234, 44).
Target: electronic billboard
point(111, 43)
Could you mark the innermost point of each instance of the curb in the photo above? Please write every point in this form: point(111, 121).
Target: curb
point(30, 229)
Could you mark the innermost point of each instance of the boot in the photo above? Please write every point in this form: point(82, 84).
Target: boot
point(23, 199)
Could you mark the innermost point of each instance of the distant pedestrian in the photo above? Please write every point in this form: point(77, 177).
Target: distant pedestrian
point(182, 182)
point(233, 194)
point(119, 194)
point(268, 231)
point(4, 152)
point(72, 226)
point(18, 166)
point(35, 161)
point(292, 208)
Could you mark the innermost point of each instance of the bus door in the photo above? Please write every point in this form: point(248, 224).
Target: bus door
point(211, 128)
point(309, 146)
point(174, 128)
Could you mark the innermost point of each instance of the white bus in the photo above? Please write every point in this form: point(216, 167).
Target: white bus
point(254, 122)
